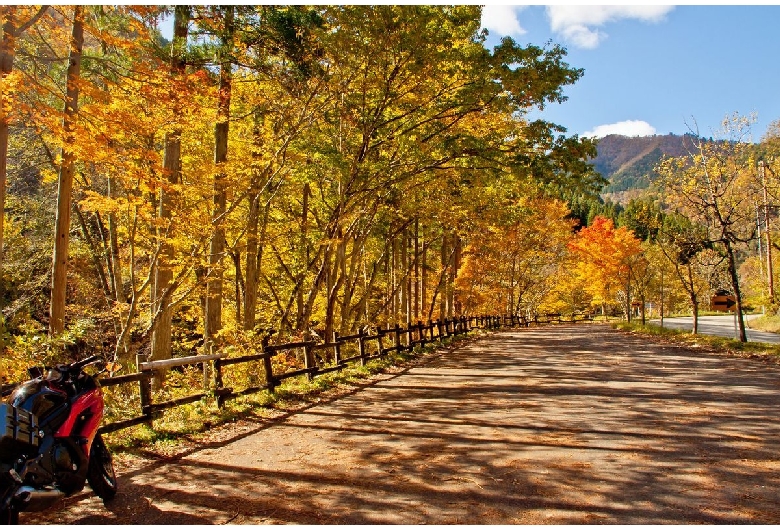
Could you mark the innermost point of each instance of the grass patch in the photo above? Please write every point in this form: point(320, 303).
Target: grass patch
point(769, 323)
point(689, 339)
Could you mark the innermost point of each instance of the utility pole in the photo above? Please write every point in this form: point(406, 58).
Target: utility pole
point(662, 297)
point(770, 275)
point(760, 251)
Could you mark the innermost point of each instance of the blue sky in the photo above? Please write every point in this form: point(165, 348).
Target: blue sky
point(656, 69)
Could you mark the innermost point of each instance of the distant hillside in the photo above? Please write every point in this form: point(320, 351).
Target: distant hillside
point(627, 162)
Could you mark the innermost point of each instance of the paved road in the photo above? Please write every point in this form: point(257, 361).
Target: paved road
point(720, 326)
point(571, 424)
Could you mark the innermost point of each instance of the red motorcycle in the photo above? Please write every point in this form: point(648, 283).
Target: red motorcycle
point(49, 440)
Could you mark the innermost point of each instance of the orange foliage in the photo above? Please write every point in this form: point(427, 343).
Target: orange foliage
point(510, 265)
point(603, 258)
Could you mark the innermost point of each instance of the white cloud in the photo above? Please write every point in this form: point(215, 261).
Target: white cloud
point(624, 128)
point(578, 24)
point(502, 19)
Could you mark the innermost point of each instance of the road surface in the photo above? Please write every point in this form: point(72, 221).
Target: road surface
point(569, 424)
point(720, 326)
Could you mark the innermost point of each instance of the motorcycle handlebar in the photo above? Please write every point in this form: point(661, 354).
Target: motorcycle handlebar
point(78, 365)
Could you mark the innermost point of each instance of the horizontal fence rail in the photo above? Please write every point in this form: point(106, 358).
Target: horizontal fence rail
point(369, 345)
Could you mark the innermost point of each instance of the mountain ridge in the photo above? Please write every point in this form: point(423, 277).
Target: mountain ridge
point(627, 162)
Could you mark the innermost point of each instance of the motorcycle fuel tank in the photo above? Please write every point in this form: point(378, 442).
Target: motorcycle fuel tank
point(47, 404)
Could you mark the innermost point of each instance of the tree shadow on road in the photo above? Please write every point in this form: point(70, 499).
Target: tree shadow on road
point(566, 425)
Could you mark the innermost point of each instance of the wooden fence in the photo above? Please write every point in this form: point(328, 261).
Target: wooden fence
point(315, 355)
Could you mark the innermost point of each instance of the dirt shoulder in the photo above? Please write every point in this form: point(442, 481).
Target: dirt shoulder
point(560, 425)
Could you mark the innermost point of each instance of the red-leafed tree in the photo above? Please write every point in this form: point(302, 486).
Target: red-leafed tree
point(604, 260)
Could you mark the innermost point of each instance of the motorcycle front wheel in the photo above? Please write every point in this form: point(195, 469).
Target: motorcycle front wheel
point(100, 475)
point(9, 516)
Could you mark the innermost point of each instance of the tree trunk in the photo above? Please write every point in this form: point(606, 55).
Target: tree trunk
point(238, 283)
point(336, 279)
point(453, 273)
point(213, 309)
point(349, 309)
point(389, 290)
point(511, 304)
point(404, 294)
point(93, 250)
point(252, 229)
point(250, 282)
point(629, 307)
point(416, 293)
point(694, 300)
point(424, 275)
point(394, 306)
point(65, 184)
point(445, 260)
point(732, 261)
point(117, 279)
point(319, 278)
point(161, 332)
point(303, 256)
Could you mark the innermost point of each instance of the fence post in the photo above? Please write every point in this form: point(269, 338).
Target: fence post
point(308, 361)
point(379, 346)
point(218, 384)
point(267, 366)
point(206, 369)
point(218, 373)
point(145, 388)
point(336, 348)
point(397, 338)
point(362, 347)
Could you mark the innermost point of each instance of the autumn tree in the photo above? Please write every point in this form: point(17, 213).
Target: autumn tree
point(684, 244)
point(511, 263)
point(335, 167)
point(407, 112)
point(15, 20)
point(605, 256)
point(66, 170)
point(715, 187)
point(161, 336)
point(213, 298)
